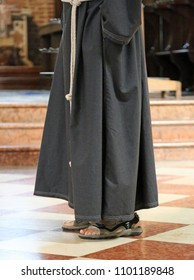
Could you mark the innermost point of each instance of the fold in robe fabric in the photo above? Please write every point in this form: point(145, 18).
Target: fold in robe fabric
point(108, 136)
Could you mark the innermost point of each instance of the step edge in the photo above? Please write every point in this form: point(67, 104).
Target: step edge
point(173, 144)
point(21, 125)
point(24, 105)
point(19, 148)
point(172, 122)
point(171, 102)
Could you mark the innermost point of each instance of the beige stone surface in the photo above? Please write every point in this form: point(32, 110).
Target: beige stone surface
point(19, 156)
point(22, 113)
point(170, 110)
point(21, 128)
point(173, 131)
point(20, 134)
point(174, 153)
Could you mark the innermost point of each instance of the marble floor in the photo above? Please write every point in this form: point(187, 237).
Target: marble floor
point(30, 226)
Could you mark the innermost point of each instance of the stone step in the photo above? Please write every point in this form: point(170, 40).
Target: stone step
point(21, 127)
point(166, 131)
point(172, 109)
point(160, 110)
point(174, 151)
point(19, 155)
point(20, 133)
point(22, 112)
point(31, 133)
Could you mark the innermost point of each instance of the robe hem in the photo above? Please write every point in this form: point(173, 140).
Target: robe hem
point(107, 218)
point(52, 195)
point(146, 206)
point(98, 218)
point(119, 218)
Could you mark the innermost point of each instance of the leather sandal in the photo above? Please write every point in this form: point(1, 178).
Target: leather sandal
point(121, 229)
point(76, 225)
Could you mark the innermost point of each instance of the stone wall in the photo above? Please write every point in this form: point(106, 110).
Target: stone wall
point(39, 13)
point(41, 10)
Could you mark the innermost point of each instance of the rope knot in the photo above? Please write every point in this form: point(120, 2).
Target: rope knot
point(75, 3)
point(68, 97)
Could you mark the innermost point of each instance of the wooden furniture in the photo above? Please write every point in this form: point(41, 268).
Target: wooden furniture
point(58, 8)
point(164, 86)
point(50, 36)
point(158, 84)
point(22, 77)
point(174, 54)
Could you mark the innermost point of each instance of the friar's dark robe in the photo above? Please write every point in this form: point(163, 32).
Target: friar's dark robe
point(107, 137)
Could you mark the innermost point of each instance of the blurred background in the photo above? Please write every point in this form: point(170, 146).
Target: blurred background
point(30, 32)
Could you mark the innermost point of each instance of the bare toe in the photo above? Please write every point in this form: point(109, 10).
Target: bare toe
point(75, 225)
point(68, 223)
point(90, 231)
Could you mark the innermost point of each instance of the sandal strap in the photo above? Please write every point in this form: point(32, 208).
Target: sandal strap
point(126, 225)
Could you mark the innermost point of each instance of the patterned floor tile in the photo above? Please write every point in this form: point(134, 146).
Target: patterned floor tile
point(183, 235)
point(30, 226)
point(163, 178)
point(26, 203)
point(187, 202)
point(11, 233)
point(168, 215)
point(9, 177)
point(146, 250)
point(60, 243)
point(20, 255)
point(153, 228)
point(189, 180)
point(8, 189)
point(61, 208)
point(177, 163)
point(180, 172)
point(34, 220)
point(4, 212)
point(164, 198)
point(29, 181)
point(175, 189)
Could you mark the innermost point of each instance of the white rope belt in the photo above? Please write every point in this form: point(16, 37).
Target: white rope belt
point(75, 4)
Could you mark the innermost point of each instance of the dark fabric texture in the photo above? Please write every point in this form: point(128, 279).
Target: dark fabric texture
point(108, 136)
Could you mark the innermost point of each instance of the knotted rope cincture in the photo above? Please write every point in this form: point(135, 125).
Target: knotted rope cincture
point(75, 4)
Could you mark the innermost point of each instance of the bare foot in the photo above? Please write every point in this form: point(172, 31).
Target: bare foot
point(68, 223)
point(75, 225)
point(90, 231)
point(93, 230)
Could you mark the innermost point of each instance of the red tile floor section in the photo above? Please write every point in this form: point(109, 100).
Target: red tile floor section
point(30, 227)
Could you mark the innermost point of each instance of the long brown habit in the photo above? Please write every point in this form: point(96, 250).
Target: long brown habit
point(107, 137)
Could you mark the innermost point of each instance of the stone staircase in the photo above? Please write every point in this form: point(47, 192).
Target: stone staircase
point(21, 127)
point(173, 129)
